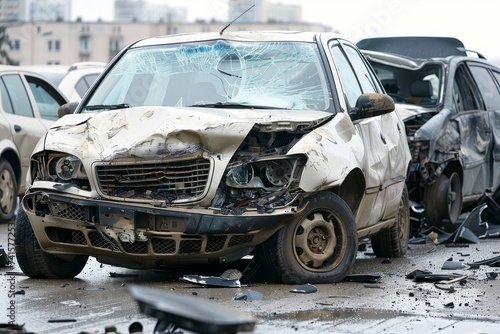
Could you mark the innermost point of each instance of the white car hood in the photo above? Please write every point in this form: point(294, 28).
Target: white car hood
point(144, 132)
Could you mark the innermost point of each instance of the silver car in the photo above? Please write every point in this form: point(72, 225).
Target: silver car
point(206, 148)
point(28, 107)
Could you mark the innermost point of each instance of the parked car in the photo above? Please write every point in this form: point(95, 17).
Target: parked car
point(451, 103)
point(28, 106)
point(205, 148)
point(73, 80)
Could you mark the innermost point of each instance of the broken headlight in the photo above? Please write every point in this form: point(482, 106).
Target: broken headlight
point(67, 168)
point(58, 167)
point(264, 174)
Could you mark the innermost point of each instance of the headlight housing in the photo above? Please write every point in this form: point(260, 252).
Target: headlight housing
point(268, 174)
point(59, 167)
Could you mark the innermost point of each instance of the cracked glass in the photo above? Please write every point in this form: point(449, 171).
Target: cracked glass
point(287, 75)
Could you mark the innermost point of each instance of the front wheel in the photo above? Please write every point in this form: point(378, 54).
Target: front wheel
point(318, 246)
point(443, 200)
point(36, 263)
point(393, 242)
point(8, 192)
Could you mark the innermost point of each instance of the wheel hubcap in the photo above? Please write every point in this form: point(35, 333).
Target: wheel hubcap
point(315, 241)
point(6, 191)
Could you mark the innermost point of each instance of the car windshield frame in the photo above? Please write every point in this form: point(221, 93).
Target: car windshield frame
point(263, 74)
point(407, 83)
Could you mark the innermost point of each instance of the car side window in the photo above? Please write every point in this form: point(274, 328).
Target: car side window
point(464, 97)
point(18, 96)
point(6, 102)
point(486, 86)
point(84, 83)
point(351, 87)
point(364, 75)
point(47, 99)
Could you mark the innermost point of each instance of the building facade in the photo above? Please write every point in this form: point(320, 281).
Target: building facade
point(42, 43)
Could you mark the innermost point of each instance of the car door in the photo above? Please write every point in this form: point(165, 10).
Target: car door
point(28, 106)
point(380, 136)
point(475, 133)
point(488, 80)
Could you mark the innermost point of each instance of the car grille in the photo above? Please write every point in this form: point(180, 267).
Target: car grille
point(172, 180)
point(168, 245)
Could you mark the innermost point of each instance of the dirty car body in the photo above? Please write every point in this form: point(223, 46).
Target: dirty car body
point(451, 105)
point(205, 148)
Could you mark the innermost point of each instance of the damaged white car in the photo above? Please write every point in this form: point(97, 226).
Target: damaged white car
point(206, 148)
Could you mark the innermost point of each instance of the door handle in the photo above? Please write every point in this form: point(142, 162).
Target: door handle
point(17, 128)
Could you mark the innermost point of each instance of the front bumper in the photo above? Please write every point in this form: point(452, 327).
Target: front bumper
point(141, 236)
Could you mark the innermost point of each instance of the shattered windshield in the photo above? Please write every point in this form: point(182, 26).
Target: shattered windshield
point(287, 75)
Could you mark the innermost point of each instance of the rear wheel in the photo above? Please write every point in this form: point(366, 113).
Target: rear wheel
point(443, 200)
point(318, 246)
point(393, 242)
point(8, 192)
point(36, 263)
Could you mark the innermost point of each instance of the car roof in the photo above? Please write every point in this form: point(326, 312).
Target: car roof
point(415, 46)
point(297, 36)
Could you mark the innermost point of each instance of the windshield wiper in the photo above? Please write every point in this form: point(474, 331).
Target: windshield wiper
point(233, 105)
point(107, 106)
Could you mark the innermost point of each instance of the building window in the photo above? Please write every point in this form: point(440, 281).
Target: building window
point(15, 45)
point(57, 45)
point(115, 44)
point(84, 44)
point(49, 45)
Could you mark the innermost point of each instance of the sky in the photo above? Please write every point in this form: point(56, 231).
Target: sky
point(471, 21)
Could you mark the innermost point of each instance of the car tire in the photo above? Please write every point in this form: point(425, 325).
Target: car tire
point(393, 242)
point(318, 246)
point(34, 262)
point(8, 192)
point(443, 200)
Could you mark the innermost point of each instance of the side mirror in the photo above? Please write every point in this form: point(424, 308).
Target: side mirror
point(371, 105)
point(67, 108)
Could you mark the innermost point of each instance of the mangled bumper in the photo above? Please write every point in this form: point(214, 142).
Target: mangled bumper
point(142, 236)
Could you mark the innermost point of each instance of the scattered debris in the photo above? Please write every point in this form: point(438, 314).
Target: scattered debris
point(229, 279)
point(433, 236)
point(385, 261)
point(491, 275)
point(118, 275)
point(304, 288)
point(449, 305)
point(363, 278)
point(453, 265)
point(248, 296)
point(424, 275)
point(373, 286)
point(4, 259)
point(418, 271)
point(492, 262)
point(20, 292)
point(71, 303)
point(62, 320)
point(91, 289)
point(175, 311)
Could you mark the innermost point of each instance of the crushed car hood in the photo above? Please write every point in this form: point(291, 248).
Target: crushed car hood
point(408, 111)
point(143, 132)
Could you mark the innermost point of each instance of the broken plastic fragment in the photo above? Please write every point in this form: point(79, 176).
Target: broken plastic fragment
point(112, 274)
point(449, 305)
point(453, 265)
point(304, 288)
point(4, 260)
point(227, 279)
point(418, 271)
point(364, 278)
point(249, 296)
